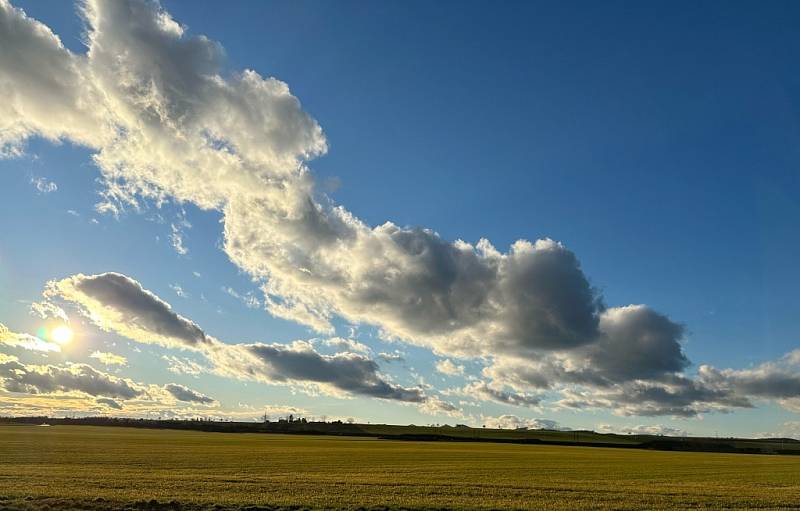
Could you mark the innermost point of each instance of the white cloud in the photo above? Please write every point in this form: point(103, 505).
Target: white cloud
point(183, 393)
point(446, 366)
point(178, 233)
point(46, 379)
point(43, 185)
point(436, 406)
point(85, 387)
point(25, 341)
point(179, 290)
point(184, 366)
point(347, 345)
point(117, 303)
point(165, 124)
point(642, 429)
point(109, 358)
point(176, 238)
point(515, 422)
point(395, 356)
point(46, 309)
point(111, 403)
point(248, 299)
point(299, 364)
point(789, 429)
point(486, 392)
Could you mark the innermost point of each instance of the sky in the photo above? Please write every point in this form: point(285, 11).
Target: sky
point(517, 214)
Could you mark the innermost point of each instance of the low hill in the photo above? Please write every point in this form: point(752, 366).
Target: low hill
point(444, 434)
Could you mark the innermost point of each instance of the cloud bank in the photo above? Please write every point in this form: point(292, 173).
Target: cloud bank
point(118, 303)
point(18, 377)
point(79, 382)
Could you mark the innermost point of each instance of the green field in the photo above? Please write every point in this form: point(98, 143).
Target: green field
point(83, 467)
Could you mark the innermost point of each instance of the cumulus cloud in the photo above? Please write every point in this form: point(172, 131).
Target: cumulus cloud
point(680, 396)
point(768, 380)
point(436, 406)
point(117, 303)
point(166, 124)
point(298, 363)
point(637, 368)
point(182, 393)
point(635, 343)
point(44, 87)
point(109, 359)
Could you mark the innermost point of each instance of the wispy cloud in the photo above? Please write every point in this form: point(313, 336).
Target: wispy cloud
point(179, 290)
point(43, 185)
point(109, 359)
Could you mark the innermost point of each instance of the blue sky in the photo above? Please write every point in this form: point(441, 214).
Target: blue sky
point(657, 142)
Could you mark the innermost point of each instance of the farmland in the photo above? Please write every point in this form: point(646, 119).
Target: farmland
point(64, 467)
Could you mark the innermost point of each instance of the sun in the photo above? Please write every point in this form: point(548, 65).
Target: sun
point(61, 334)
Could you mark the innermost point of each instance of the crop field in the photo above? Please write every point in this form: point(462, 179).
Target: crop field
point(83, 467)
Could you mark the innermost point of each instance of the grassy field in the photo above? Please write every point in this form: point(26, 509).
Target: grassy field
point(86, 467)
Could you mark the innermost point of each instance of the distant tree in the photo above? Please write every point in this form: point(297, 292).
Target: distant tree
point(351, 420)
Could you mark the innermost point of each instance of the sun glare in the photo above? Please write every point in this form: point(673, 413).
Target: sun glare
point(61, 334)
